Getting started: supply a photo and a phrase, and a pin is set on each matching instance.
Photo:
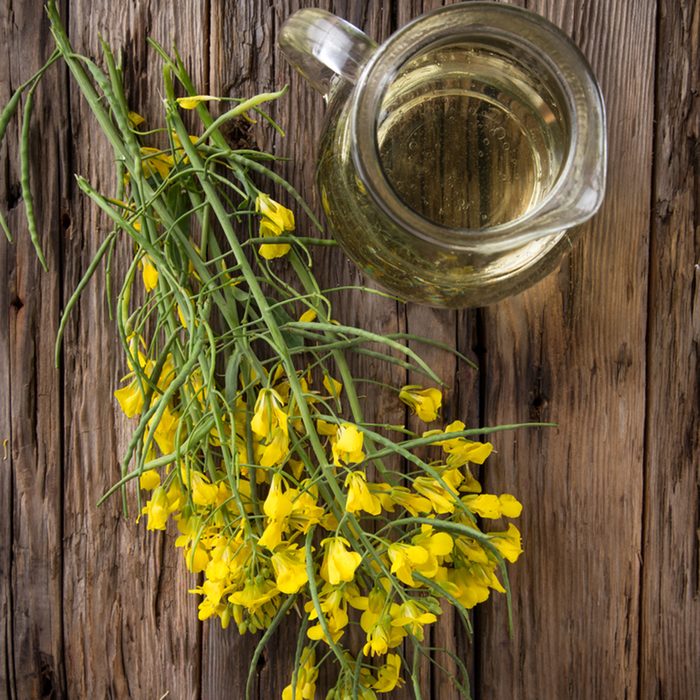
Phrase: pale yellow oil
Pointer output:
(469, 138)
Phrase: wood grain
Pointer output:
(670, 614)
(572, 350)
(606, 595)
(30, 417)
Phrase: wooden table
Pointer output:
(607, 595)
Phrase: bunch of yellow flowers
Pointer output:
(248, 430)
(268, 527)
(428, 551)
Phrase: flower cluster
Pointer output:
(257, 533)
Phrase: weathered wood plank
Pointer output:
(573, 350)
(131, 628)
(670, 615)
(31, 480)
(6, 612)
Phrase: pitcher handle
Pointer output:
(321, 46)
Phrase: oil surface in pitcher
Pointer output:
(470, 137)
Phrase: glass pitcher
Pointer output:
(457, 156)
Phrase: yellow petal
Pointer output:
(271, 251)
(149, 480)
(325, 428)
(308, 316)
(192, 101)
(359, 495)
(279, 215)
(135, 118)
(486, 505)
(157, 510)
(196, 560)
(155, 161)
(340, 564)
(510, 506)
(348, 445)
(332, 386)
(130, 399)
(388, 675)
(441, 544)
(150, 274)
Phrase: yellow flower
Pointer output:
(276, 450)
(269, 413)
(359, 495)
(469, 586)
(149, 273)
(287, 509)
(508, 543)
(277, 506)
(388, 676)
(289, 564)
(203, 492)
(165, 431)
(412, 502)
(196, 559)
(130, 398)
(423, 556)
(405, 559)
(425, 403)
(332, 386)
(459, 449)
(157, 509)
(308, 316)
(275, 221)
(271, 251)
(468, 451)
(270, 422)
(254, 594)
(376, 623)
(333, 604)
(347, 446)
(377, 642)
(212, 591)
(305, 686)
(413, 616)
(149, 480)
(305, 511)
(192, 101)
(491, 506)
(338, 563)
(441, 499)
(154, 161)
(280, 216)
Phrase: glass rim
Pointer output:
(431, 30)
